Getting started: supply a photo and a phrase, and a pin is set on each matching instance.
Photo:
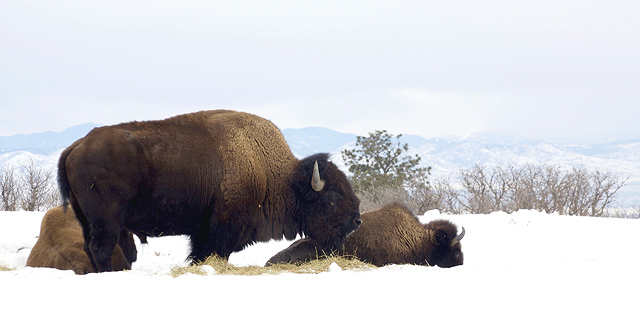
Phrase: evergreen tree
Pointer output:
(381, 160)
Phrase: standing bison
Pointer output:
(61, 245)
(390, 235)
(226, 179)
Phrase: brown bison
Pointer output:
(225, 178)
(391, 234)
(61, 245)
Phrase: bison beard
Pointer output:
(226, 179)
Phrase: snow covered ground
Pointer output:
(526, 272)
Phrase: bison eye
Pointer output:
(442, 238)
(333, 198)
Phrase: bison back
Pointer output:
(391, 234)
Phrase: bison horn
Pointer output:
(458, 238)
(316, 183)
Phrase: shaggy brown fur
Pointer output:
(303, 250)
(61, 245)
(225, 178)
(389, 235)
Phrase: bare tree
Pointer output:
(9, 189)
(525, 187)
(486, 188)
(53, 199)
(575, 188)
(420, 194)
(552, 192)
(445, 197)
(604, 186)
(38, 186)
(539, 187)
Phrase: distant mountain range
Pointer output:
(443, 155)
(44, 143)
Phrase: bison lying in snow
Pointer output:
(391, 234)
(224, 178)
(61, 245)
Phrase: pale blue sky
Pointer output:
(559, 70)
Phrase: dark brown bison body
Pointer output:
(224, 178)
(61, 245)
(390, 235)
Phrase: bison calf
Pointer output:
(61, 245)
(390, 235)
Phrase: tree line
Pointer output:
(383, 171)
(28, 187)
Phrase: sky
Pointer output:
(552, 70)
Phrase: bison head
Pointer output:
(328, 209)
(447, 251)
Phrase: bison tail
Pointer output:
(63, 182)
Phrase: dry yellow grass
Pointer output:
(223, 267)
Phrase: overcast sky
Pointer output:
(557, 70)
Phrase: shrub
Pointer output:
(485, 189)
(29, 187)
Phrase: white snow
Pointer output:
(526, 272)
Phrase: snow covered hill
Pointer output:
(443, 155)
